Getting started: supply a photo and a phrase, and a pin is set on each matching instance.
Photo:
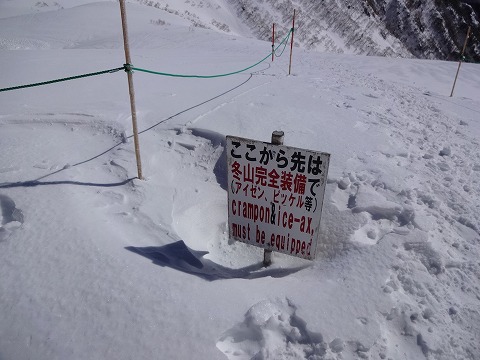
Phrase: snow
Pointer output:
(95, 264)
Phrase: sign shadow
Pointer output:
(180, 257)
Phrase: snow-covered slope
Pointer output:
(95, 264)
(433, 29)
(332, 26)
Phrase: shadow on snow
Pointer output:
(36, 182)
(180, 257)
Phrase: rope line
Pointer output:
(63, 79)
(284, 46)
(130, 68)
(212, 76)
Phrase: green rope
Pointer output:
(213, 76)
(284, 46)
(63, 79)
(129, 68)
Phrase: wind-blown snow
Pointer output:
(95, 264)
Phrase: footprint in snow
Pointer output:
(11, 218)
(273, 330)
(381, 216)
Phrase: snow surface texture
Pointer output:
(95, 264)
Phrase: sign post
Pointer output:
(277, 139)
(460, 61)
(275, 195)
(273, 41)
(291, 44)
(131, 90)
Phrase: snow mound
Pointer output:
(11, 218)
(271, 329)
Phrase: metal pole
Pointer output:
(291, 44)
(460, 62)
(277, 139)
(130, 87)
(273, 40)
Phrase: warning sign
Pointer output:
(275, 195)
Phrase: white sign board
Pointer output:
(275, 195)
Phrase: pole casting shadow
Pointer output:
(36, 182)
(180, 257)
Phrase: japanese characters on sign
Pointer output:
(275, 195)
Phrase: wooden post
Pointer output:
(130, 87)
(291, 44)
(273, 41)
(460, 62)
(277, 139)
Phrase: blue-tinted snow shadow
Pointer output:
(34, 183)
(216, 139)
(180, 257)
